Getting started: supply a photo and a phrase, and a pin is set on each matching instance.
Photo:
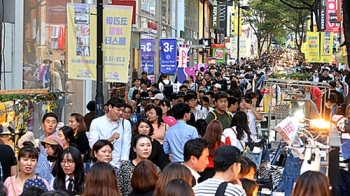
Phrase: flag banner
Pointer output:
(326, 47)
(313, 47)
(147, 52)
(331, 7)
(233, 52)
(82, 49)
(237, 22)
(243, 46)
(219, 54)
(168, 56)
(183, 55)
(116, 42)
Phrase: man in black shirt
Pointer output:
(325, 75)
(144, 79)
(8, 161)
(221, 81)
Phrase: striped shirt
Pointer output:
(209, 187)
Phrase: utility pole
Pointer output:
(99, 60)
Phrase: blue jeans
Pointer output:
(290, 173)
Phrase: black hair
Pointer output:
(183, 86)
(116, 102)
(205, 99)
(220, 95)
(185, 81)
(29, 152)
(217, 74)
(179, 110)
(195, 148)
(240, 120)
(50, 114)
(251, 95)
(232, 101)
(211, 93)
(333, 98)
(201, 126)
(91, 106)
(79, 174)
(97, 146)
(57, 149)
(166, 102)
(230, 92)
(138, 137)
(134, 93)
(189, 96)
(155, 85)
(135, 80)
(128, 106)
(69, 135)
(55, 193)
(32, 191)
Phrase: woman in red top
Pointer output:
(213, 135)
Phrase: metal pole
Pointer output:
(159, 34)
(238, 29)
(99, 60)
(203, 50)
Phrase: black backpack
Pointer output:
(168, 89)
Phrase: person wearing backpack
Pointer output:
(165, 85)
(220, 112)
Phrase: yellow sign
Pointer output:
(81, 41)
(238, 22)
(116, 44)
(326, 47)
(83, 44)
(313, 47)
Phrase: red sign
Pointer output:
(152, 25)
(127, 3)
(56, 11)
(331, 8)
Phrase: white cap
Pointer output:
(217, 85)
(158, 96)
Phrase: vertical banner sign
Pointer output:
(222, 18)
(215, 17)
(322, 20)
(243, 46)
(82, 43)
(233, 53)
(183, 55)
(313, 47)
(116, 46)
(219, 52)
(238, 22)
(331, 9)
(326, 47)
(168, 56)
(147, 52)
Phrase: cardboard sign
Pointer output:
(288, 129)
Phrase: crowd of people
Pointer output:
(158, 140)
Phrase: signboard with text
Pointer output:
(168, 56)
(147, 52)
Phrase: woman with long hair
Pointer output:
(142, 146)
(144, 179)
(170, 172)
(237, 135)
(101, 180)
(206, 85)
(158, 157)
(154, 115)
(77, 123)
(237, 92)
(166, 107)
(70, 176)
(102, 151)
(54, 147)
(66, 135)
(312, 183)
(27, 161)
(136, 96)
(213, 134)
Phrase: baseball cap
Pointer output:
(326, 68)
(52, 140)
(217, 85)
(228, 155)
(144, 95)
(158, 96)
(35, 182)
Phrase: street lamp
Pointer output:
(244, 7)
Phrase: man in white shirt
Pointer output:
(114, 128)
(196, 153)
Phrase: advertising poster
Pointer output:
(233, 53)
(313, 47)
(243, 46)
(326, 47)
(147, 52)
(219, 53)
(331, 8)
(116, 42)
(82, 49)
(168, 56)
(183, 55)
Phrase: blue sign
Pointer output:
(168, 56)
(147, 50)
